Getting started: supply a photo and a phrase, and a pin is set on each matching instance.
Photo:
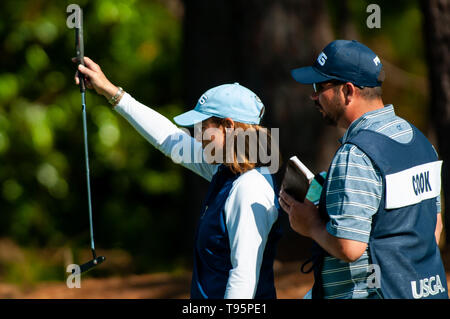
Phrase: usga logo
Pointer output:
(427, 286)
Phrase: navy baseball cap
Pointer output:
(343, 60)
(228, 100)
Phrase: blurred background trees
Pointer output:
(437, 42)
(166, 53)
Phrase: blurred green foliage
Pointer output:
(43, 198)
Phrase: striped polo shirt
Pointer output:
(354, 193)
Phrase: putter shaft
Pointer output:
(86, 155)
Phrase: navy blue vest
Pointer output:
(212, 261)
(402, 242)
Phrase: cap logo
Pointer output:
(202, 99)
(376, 60)
(322, 59)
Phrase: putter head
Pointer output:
(90, 264)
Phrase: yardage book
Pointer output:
(300, 182)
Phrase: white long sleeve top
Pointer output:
(248, 225)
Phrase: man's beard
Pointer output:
(332, 118)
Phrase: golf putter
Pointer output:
(79, 44)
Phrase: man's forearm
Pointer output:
(344, 249)
(305, 220)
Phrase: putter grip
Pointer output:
(79, 45)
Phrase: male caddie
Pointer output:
(378, 221)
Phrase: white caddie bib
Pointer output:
(413, 185)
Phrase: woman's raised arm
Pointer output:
(153, 126)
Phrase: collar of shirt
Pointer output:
(385, 114)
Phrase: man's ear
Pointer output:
(349, 91)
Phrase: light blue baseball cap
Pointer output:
(228, 100)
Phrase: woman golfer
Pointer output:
(238, 230)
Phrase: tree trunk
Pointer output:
(257, 43)
(437, 40)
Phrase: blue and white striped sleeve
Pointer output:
(353, 194)
(438, 199)
(438, 204)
